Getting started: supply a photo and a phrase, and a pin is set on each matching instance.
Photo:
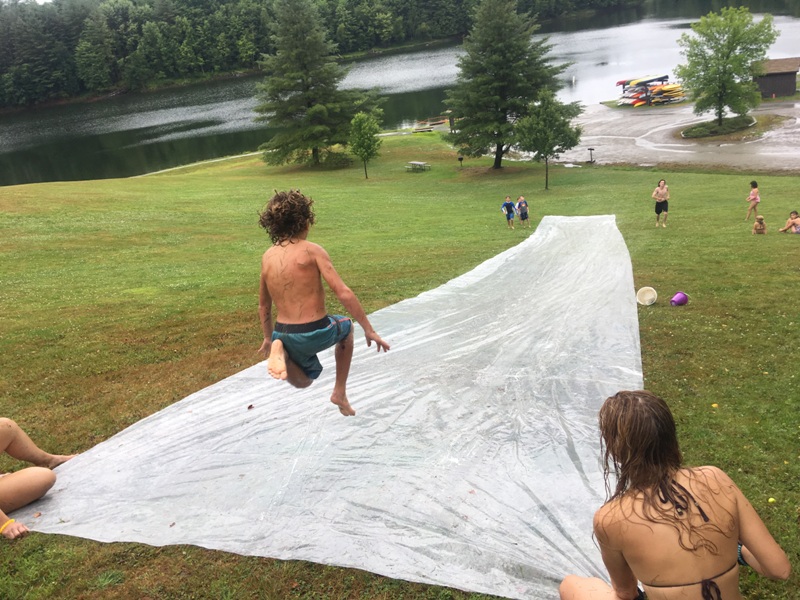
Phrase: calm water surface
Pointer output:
(139, 133)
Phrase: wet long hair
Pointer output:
(287, 215)
(641, 449)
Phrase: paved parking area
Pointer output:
(647, 137)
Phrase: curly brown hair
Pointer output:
(641, 448)
(287, 215)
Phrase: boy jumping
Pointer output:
(291, 276)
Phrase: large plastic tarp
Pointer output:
(473, 461)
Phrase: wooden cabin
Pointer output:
(779, 78)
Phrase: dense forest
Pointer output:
(66, 48)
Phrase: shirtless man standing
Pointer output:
(661, 196)
(292, 271)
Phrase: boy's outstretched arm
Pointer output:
(265, 314)
(348, 299)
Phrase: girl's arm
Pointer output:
(759, 548)
(623, 581)
(10, 528)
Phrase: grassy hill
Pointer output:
(120, 297)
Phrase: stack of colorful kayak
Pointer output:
(646, 91)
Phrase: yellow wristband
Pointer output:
(6, 524)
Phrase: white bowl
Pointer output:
(646, 296)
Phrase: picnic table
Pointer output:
(417, 166)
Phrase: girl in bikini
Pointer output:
(683, 532)
(753, 199)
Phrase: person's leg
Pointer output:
(585, 588)
(344, 356)
(664, 222)
(18, 445)
(749, 210)
(23, 487)
(280, 366)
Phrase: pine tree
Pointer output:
(502, 72)
(300, 96)
(94, 54)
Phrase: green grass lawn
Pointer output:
(120, 297)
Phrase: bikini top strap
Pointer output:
(709, 585)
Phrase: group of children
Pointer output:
(509, 209)
(661, 196)
(759, 226)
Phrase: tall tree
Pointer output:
(548, 130)
(723, 56)
(300, 95)
(503, 71)
(364, 140)
(94, 54)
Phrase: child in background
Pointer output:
(759, 226)
(753, 199)
(792, 223)
(508, 210)
(522, 209)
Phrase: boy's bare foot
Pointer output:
(276, 363)
(58, 459)
(340, 400)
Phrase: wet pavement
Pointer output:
(651, 137)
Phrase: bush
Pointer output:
(712, 128)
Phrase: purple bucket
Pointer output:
(679, 299)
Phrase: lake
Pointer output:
(133, 134)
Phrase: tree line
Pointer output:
(66, 48)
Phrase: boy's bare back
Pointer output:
(292, 275)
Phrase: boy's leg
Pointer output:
(664, 223)
(344, 356)
(280, 366)
(18, 445)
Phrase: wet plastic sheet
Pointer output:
(473, 461)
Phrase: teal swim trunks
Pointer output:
(303, 341)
